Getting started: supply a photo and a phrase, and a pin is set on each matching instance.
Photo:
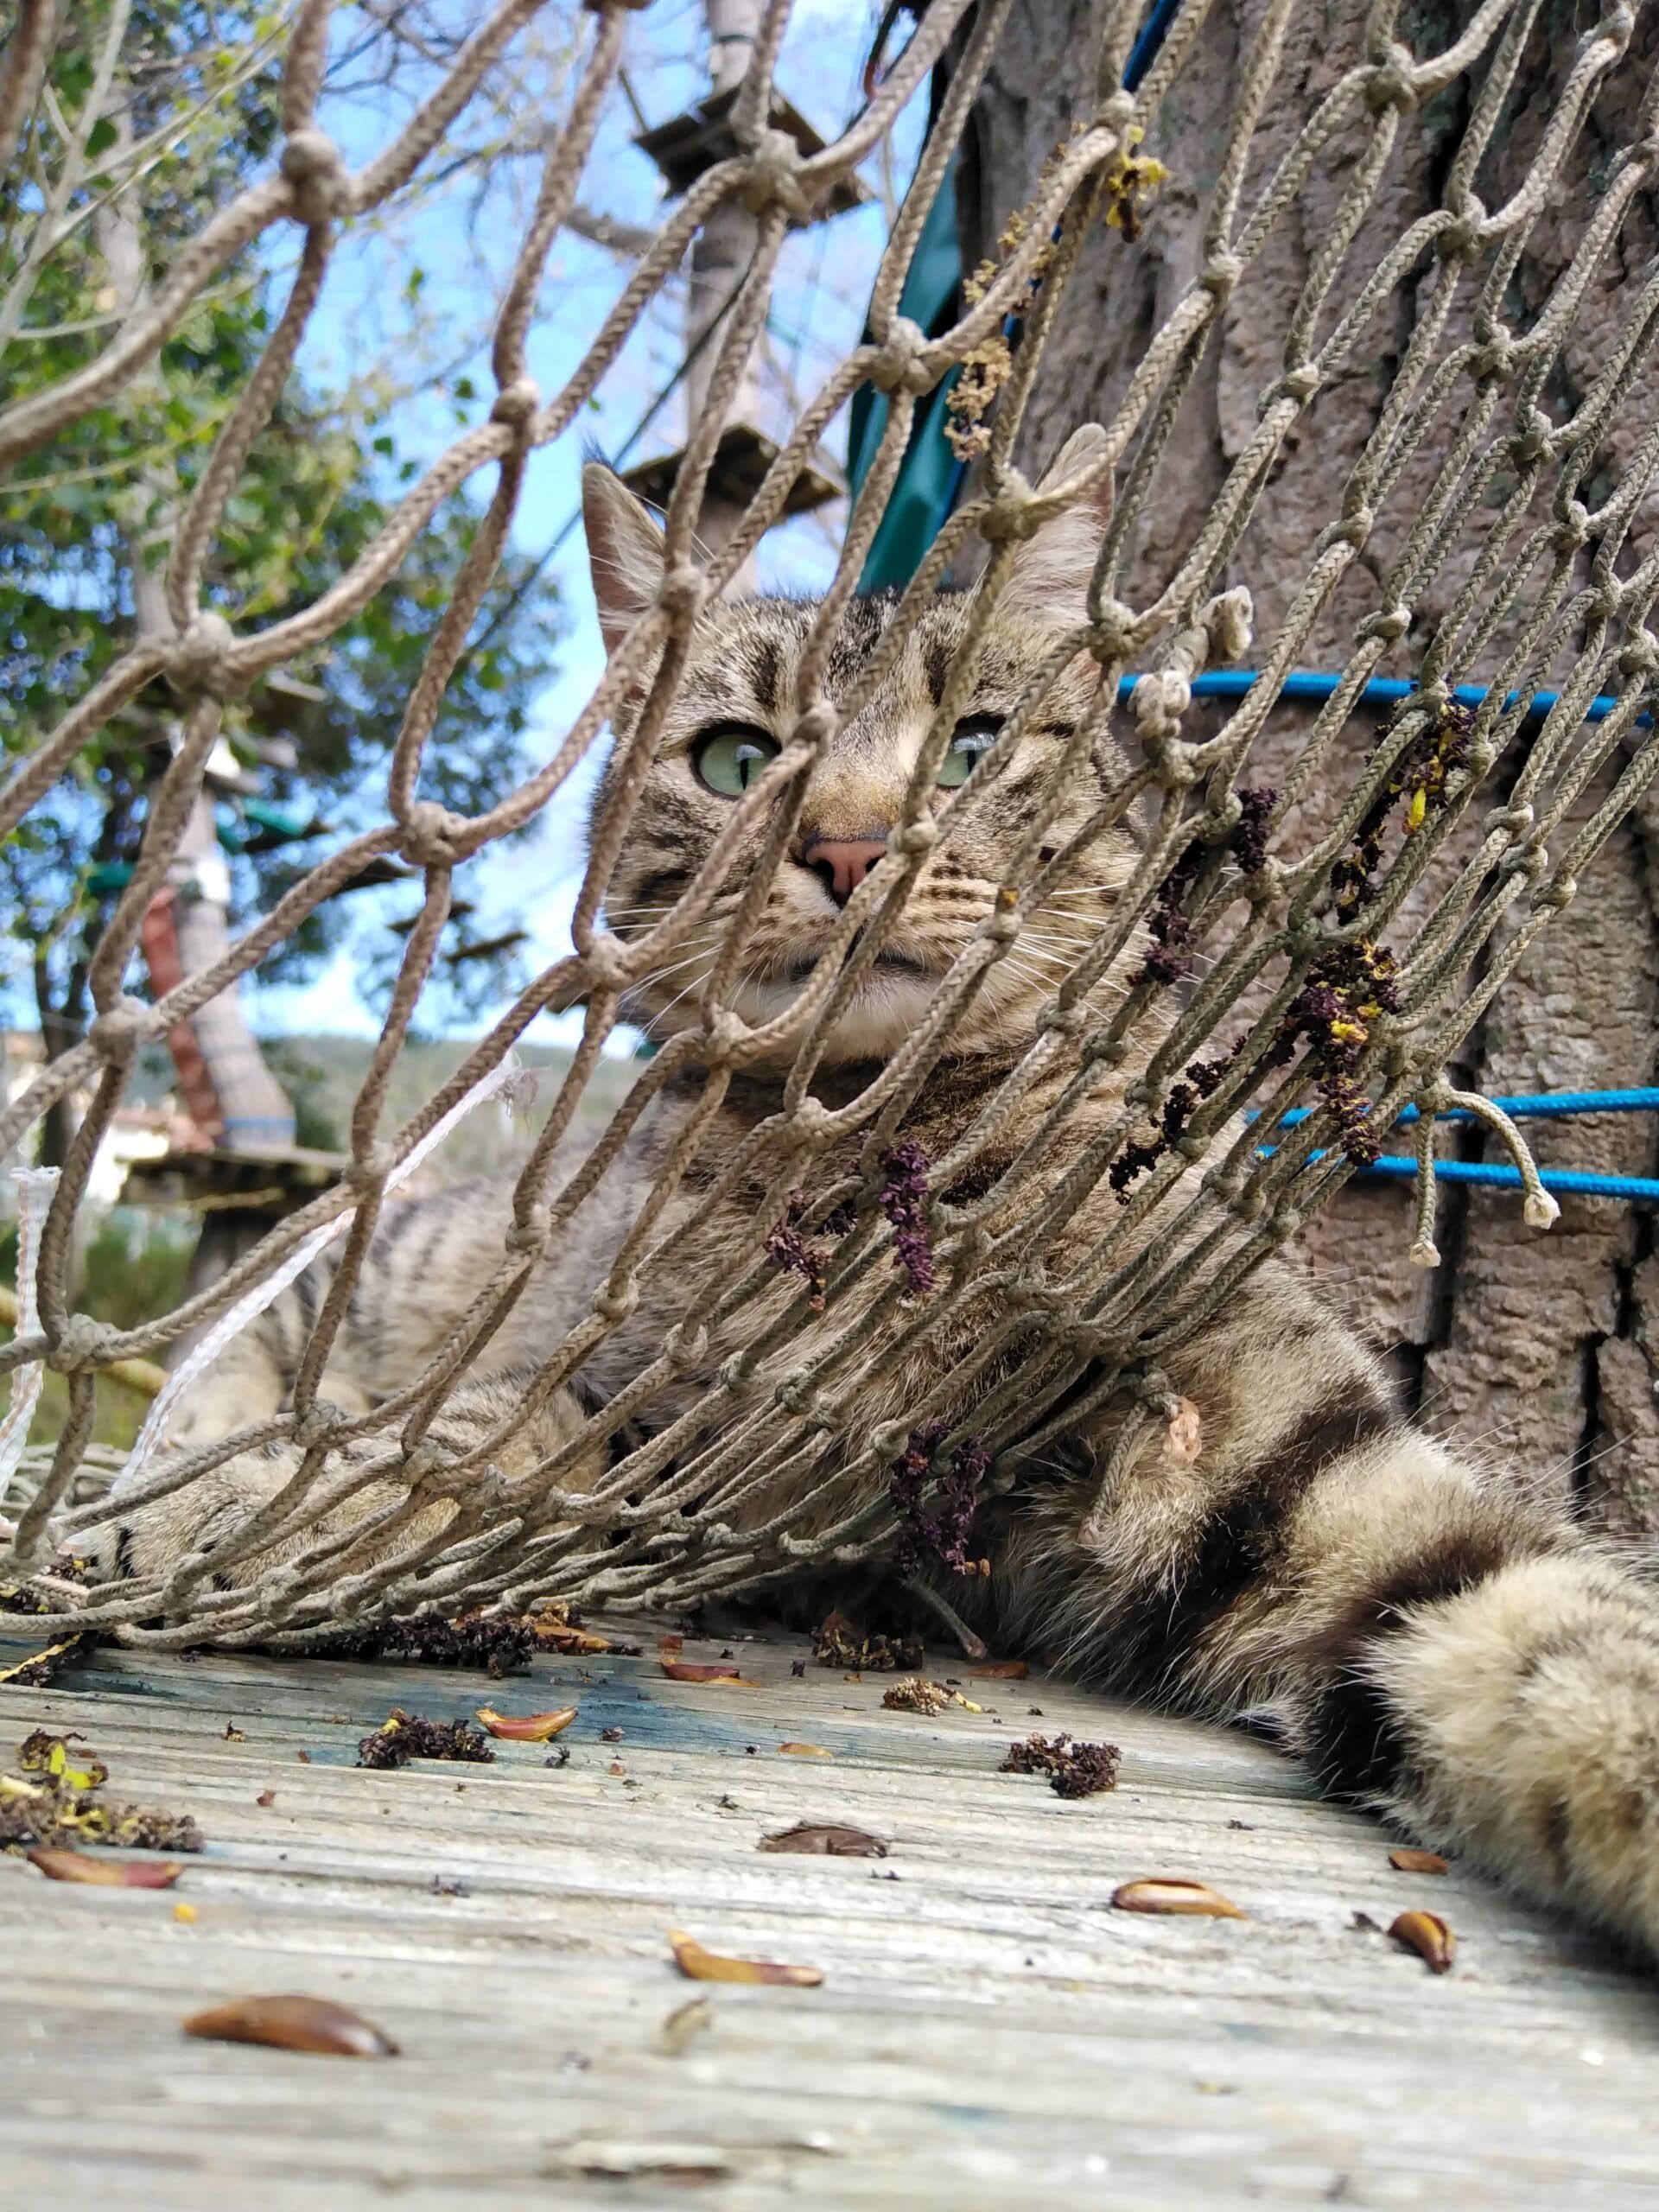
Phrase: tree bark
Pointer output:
(1539, 1349)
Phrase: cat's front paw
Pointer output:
(146, 1542)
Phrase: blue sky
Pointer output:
(463, 246)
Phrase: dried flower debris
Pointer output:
(52, 1803)
(815, 1840)
(405, 1736)
(1166, 1893)
(42, 1667)
(1073, 1769)
(838, 1644)
(936, 1506)
(289, 2022)
(916, 1694)
(1428, 1934)
(494, 1643)
(697, 1964)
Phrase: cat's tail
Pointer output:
(1469, 1664)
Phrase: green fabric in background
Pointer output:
(929, 299)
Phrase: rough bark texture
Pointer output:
(1542, 1349)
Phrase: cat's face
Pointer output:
(733, 713)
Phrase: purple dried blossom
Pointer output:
(904, 1201)
(787, 1248)
(939, 1534)
(1250, 837)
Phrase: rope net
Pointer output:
(1288, 902)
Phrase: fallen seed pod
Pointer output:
(806, 1750)
(828, 1841)
(526, 1727)
(1407, 1861)
(1428, 1934)
(1166, 1893)
(311, 2023)
(105, 1873)
(698, 1965)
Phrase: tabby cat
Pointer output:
(1435, 1646)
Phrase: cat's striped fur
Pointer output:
(1435, 1645)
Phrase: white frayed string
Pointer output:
(511, 1080)
(35, 1187)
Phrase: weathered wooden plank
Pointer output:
(987, 2029)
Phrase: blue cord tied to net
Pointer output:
(1561, 1182)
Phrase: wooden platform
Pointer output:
(988, 2033)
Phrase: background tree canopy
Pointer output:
(156, 115)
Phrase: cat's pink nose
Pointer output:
(843, 863)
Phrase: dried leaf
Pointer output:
(557, 1637)
(1428, 1934)
(812, 1840)
(105, 1873)
(293, 2024)
(712, 1670)
(1001, 1670)
(1409, 1861)
(699, 1964)
(695, 2017)
(806, 1750)
(1172, 1893)
(1183, 1437)
(527, 1727)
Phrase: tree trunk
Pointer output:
(1543, 1349)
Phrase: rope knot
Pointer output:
(1536, 442)
(681, 593)
(528, 1239)
(1114, 108)
(1157, 702)
(199, 662)
(1639, 656)
(117, 1031)
(1111, 630)
(798, 1394)
(1015, 513)
(1221, 273)
(1353, 529)
(316, 169)
(773, 177)
(905, 362)
(815, 725)
(615, 1306)
(1462, 238)
(606, 962)
(515, 403)
(919, 837)
(1493, 362)
(321, 1425)
(1300, 383)
(725, 1032)
(1392, 81)
(1572, 526)
(685, 1353)
(370, 1169)
(1388, 622)
(432, 836)
(85, 1345)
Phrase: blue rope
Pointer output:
(1563, 1181)
(1305, 683)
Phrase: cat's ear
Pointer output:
(1049, 582)
(625, 551)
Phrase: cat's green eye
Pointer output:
(729, 759)
(973, 738)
